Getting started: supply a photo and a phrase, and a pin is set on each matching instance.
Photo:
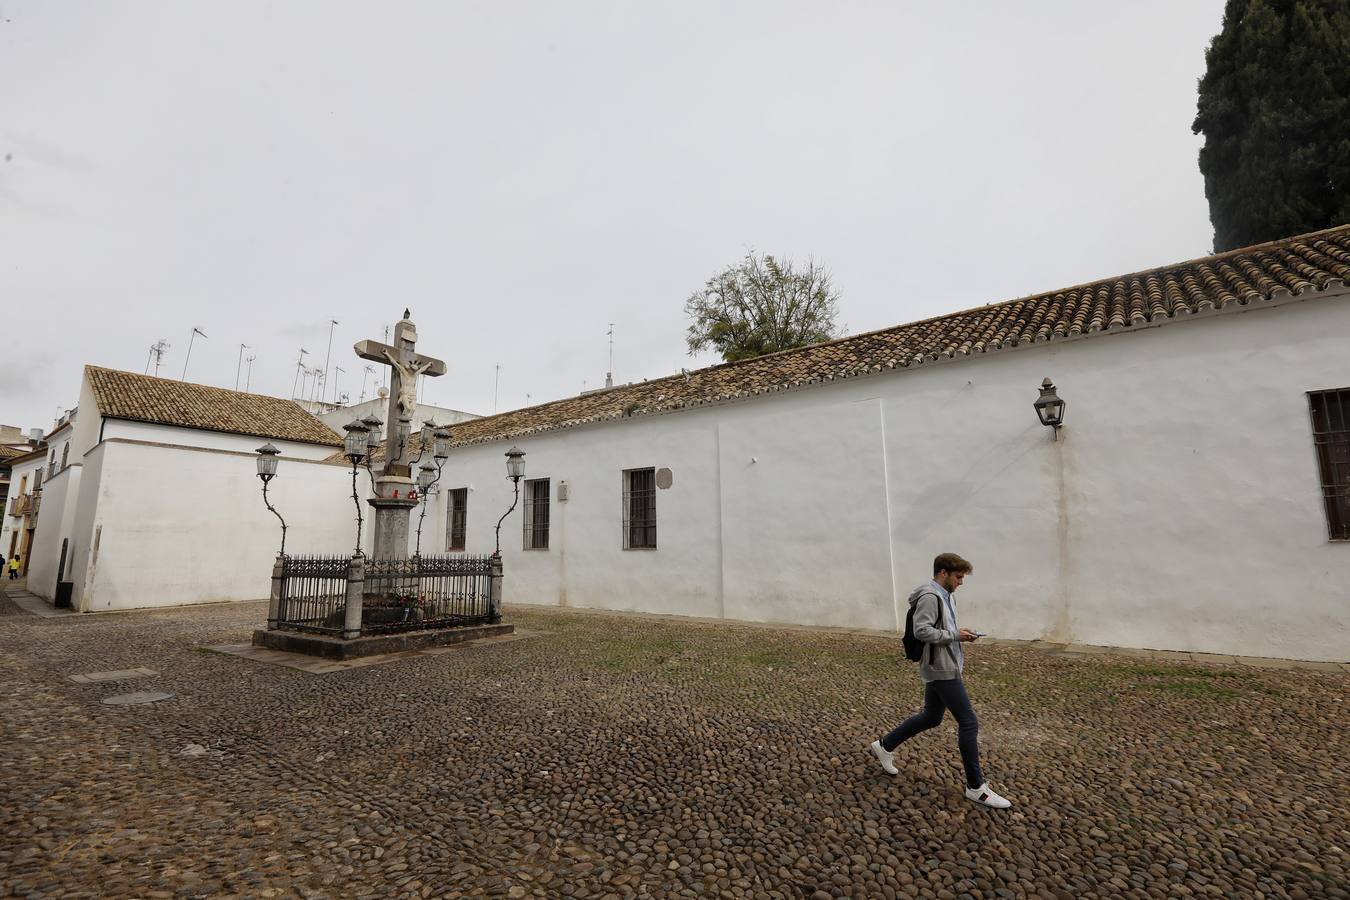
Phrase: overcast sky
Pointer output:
(523, 174)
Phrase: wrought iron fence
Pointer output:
(313, 593)
(419, 592)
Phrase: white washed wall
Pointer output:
(55, 523)
(215, 440)
(186, 525)
(1180, 508)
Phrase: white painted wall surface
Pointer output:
(55, 523)
(1180, 508)
(215, 440)
(183, 525)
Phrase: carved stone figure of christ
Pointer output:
(407, 382)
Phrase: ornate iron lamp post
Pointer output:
(267, 470)
(356, 447)
(1049, 408)
(428, 475)
(515, 470)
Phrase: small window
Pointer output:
(639, 509)
(536, 514)
(37, 480)
(459, 517)
(1331, 435)
(65, 455)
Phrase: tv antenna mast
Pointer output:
(187, 359)
(157, 354)
(609, 375)
(299, 367)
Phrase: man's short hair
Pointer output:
(950, 562)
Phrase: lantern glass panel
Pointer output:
(515, 463)
(375, 427)
(425, 476)
(267, 460)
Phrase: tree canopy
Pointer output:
(762, 305)
(1274, 108)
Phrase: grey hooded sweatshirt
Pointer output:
(943, 659)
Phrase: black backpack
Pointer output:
(914, 646)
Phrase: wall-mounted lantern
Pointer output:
(1049, 408)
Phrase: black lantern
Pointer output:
(267, 462)
(374, 426)
(515, 464)
(441, 439)
(356, 442)
(1049, 407)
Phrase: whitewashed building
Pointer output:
(1197, 496)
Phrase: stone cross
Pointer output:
(406, 364)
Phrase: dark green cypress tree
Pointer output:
(1275, 111)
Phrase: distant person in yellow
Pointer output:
(14, 567)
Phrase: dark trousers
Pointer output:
(939, 696)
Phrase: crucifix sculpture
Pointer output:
(394, 492)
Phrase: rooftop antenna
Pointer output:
(188, 358)
(367, 371)
(248, 379)
(329, 355)
(496, 381)
(157, 352)
(609, 376)
(299, 367)
(238, 363)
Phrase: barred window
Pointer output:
(639, 509)
(459, 517)
(1331, 435)
(65, 455)
(536, 514)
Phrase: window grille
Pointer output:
(536, 514)
(65, 455)
(459, 517)
(1331, 435)
(639, 509)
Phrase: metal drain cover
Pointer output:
(138, 697)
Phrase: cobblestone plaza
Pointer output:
(614, 756)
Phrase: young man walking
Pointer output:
(940, 667)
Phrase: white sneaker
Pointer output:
(886, 759)
(986, 796)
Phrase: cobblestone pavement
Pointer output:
(619, 756)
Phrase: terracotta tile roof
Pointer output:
(144, 398)
(1252, 275)
(10, 452)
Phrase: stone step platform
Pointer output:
(376, 644)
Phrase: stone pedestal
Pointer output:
(392, 507)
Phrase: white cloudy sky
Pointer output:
(522, 174)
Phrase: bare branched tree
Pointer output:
(762, 305)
